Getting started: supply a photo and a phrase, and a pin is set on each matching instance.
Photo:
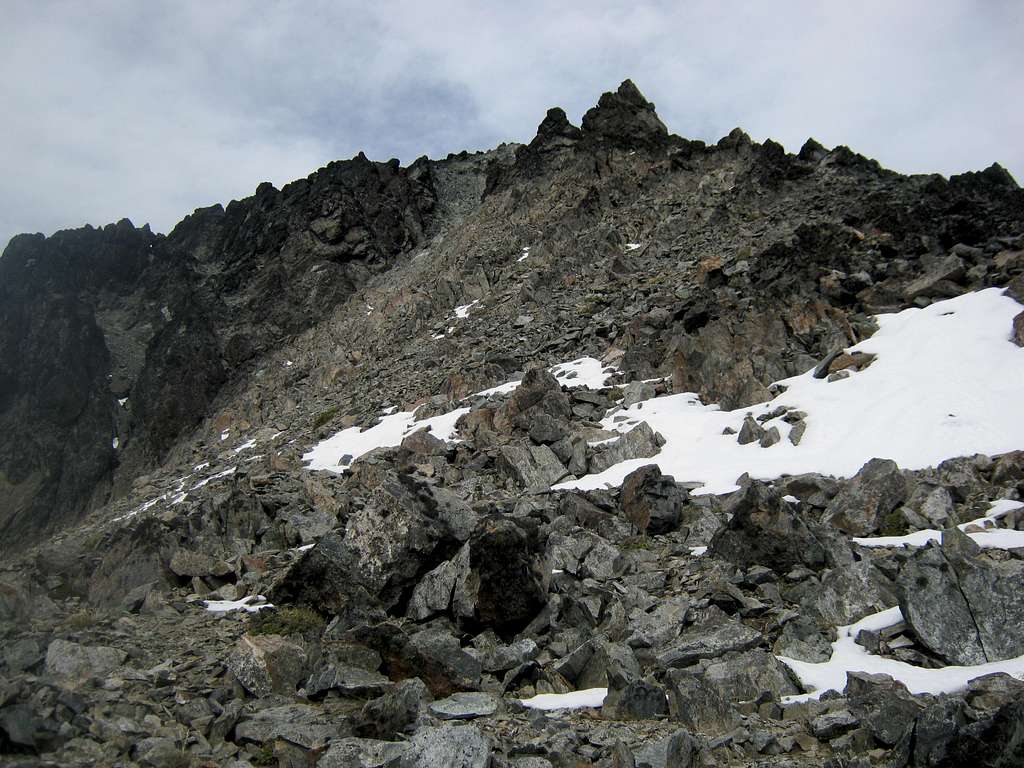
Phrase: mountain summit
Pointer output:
(614, 448)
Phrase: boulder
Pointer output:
(67, 659)
(452, 746)
(508, 575)
(362, 753)
(346, 680)
(698, 705)
(266, 664)
(641, 442)
(394, 713)
(766, 530)
(961, 604)
(861, 506)
(849, 593)
(882, 705)
(439, 659)
(301, 724)
(399, 533)
(464, 706)
(708, 641)
(748, 676)
(186, 563)
(651, 501)
(538, 395)
(532, 466)
(326, 579)
(637, 700)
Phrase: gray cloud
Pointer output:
(148, 110)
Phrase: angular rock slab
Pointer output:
(464, 706)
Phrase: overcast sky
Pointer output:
(152, 109)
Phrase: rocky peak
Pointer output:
(625, 118)
(555, 131)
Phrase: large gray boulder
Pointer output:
(961, 604)
(641, 442)
(766, 530)
(698, 705)
(266, 664)
(452, 746)
(531, 466)
(862, 505)
(652, 501)
(67, 659)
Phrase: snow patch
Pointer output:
(223, 606)
(945, 383)
(589, 697)
(463, 311)
(847, 656)
(388, 432)
(990, 537)
(581, 372)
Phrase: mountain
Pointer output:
(611, 419)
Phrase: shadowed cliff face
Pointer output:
(115, 343)
(93, 317)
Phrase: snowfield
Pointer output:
(946, 382)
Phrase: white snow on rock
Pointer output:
(589, 697)
(223, 606)
(245, 446)
(989, 537)
(463, 311)
(388, 432)
(115, 443)
(847, 656)
(224, 435)
(581, 372)
(946, 383)
(633, 246)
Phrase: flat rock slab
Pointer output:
(464, 706)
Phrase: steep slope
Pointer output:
(115, 341)
(429, 414)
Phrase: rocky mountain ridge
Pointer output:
(451, 571)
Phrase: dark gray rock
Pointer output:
(532, 466)
(849, 593)
(347, 681)
(438, 658)
(708, 641)
(882, 705)
(325, 578)
(766, 530)
(508, 577)
(752, 675)
(829, 725)
(393, 714)
(960, 604)
(860, 508)
(697, 705)
(652, 501)
(750, 432)
(307, 726)
(638, 700)
(266, 664)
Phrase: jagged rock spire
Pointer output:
(625, 118)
